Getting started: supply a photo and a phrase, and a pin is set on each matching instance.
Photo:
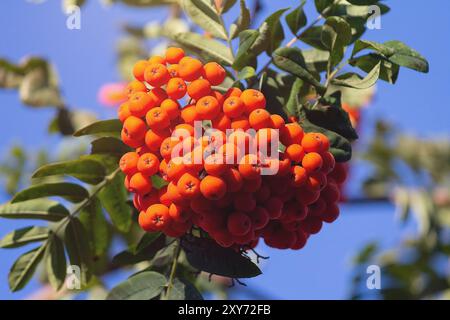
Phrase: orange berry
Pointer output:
(178, 213)
(276, 121)
(124, 112)
(173, 70)
(238, 223)
(154, 139)
(252, 185)
(249, 167)
(183, 130)
(158, 95)
(216, 94)
(315, 142)
(221, 122)
(259, 118)
(253, 99)
(189, 114)
(176, 88)
(140, 183)
(233, 107)
(157, 59)
(157, 118)
(312, 162)
(156, 74)
(213, 188)
(128, 163)
(291, 133)
(135, 127)
(233, 92)
(175, 168)
(259, 218)
(328, 162)
(140, 103)
(174, 55)
(189, 68)
(317, 181)
(215, 164)
(135, 86)
(166, 147)
(299, 176)
(133, 143)
(159, 217)
(240, 123)
(188, 186)
(207, 107)
(274, 207)
(148, 164)
(172, 107)
(214, 73)
(163, 169)
(233, 179)
(143, 201)
(244, 201)
(199, 88)
(139, 69)
(295, 152)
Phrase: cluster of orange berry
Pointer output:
(216, 173)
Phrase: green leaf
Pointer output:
(336, 35)
(113, 198)
(184, 290)
(86, 170)
(291, 60)
(55, 262)
(297, 19)
(103, 128)
(316, 59)
(97, 228)
(206, 255)
(242, 23)
(42, 209)
(246, 73)
(227, 5)
(109, 145)
(246, 40)
(312, 36)
(204, 14)
(147, 239)
(208, 49)
(292, 103)
(77, 246)
(24, 268)
(21, 237)
(407, 57)
(388, 71)
(321, 5)
(69, 191)
(275, 29)
(353, 80)
(142, 286)
(378, 47)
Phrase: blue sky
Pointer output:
(85, 59)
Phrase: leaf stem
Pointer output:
(173, 270)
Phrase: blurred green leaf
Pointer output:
(184, 290)
(21, 237)
(142, 286)
(42, 209)
(108, 128)
(297, 18)
(55, 262)
(109, 145)
(204, 14)
(354, 80)
(69, 191)
(242, 23)
(275, 30)
(336, 35)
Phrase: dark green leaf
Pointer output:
(21, 237)
(42, 209)
(246, 39)
(77, 246)
(69, 191)
(97, 228)
(142, 286)
(292, 103)
(353, 80)
(24, 268)
(407, 57)
(104, 128)
(227, 5)
(208, 49)
(388, 70)
(146, 253)
(275, 29)
(184, 290)
(378, 47)
(206, 255)
(297, 18)
(204, 14)
(312, 36)
(109, 145)
(336, 35)
(147, 239)
(321, 5)
(242, 23)
(86, 170)
(113, 198)
(291, 60)
(316, 59)
(55, 262)
(246, 73)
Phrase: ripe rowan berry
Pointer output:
(233, 179)
(215, 164)
(156, 74)
(139, 69)
(295, 152)
(259, 118)
(221, 122)
(291, 133)
(189, 186)
(124, 111)
(249, 167)
(198, 88)
(238, 223)
(233, 107)
(213, 188)
(176, 88)
(207, 108)
(240, 123)
(135, 86)
(174, 55)
(328, 162)
(157, 118)
(178, 213)
(315, 142)
(312, 162)
(157, 60)
(274, 207)
(299, 176)
(190, 69)
(128, 163)
(244, 201)
(259, 218)
(139, 104)
(171, 107)
(276, 121)
(159, 217)
(135, 128)
(148, 164)
(253, 99)
(173, 70)
(214, 73)
(139, 183)
(189, 114)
